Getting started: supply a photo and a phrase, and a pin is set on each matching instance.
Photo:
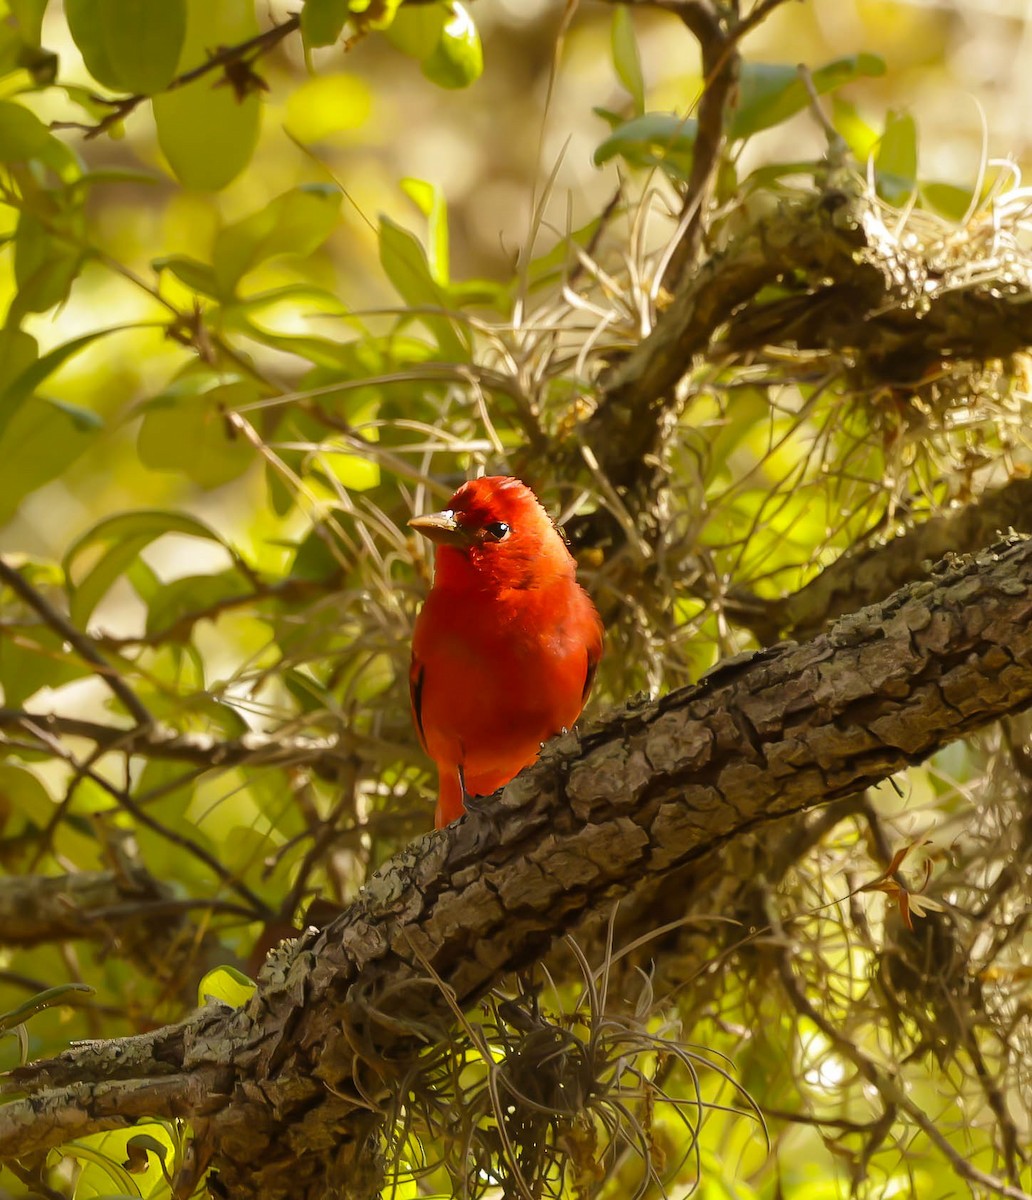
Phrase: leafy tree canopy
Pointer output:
(274, 278)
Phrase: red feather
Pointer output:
(505, 648)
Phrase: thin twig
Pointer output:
(79, 641)
(242, 54)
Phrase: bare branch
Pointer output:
(79, 641)
(307, 1064)
(236, 63)
(200, 749)
(868, 574)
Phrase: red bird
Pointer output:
(505, 648)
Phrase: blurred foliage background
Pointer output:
(253, 325)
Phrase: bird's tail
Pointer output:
(449, 797)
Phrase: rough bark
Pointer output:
(867, 575)
(285, 1094)
(44, 908)
(844, 284)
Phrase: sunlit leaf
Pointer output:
(655, 139)
(949, 199)
(298, 222)
(189, 432)
(626, 57)
(28, 16)
(458, 58)
(44, 267)
(374, 14)
(25, 383)
(143, 41)
(119, 541)
(227, 984)
(322, 21)
(20, 790)
(431, 203)
(196, 275)
(182, 599)
(89, 32)
(416, 29)
(896, 158)
(91, 1180)
(406, 264)
(205, 130)
(22, 134)
(770, 93)
(18, 352)
(63, 993)
(39, 442)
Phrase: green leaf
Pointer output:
(20, 789)
(122, 538)
(82, 418)
(374, 14)
(39, 442)
(315, 558)
(18, 352)
(430, 201)
(196, 275)
(458, 58)
(207, 134)
(63, 993)
(859, 136)
(227, 984)
(88, 30)
(770, 93)
(99, 1165)
(416, 29)
(187, 431)
(626, 57)
(143, 40)
(405, 262)
(951, 201)
(28, 15)
(184, 597)
(22, 134)
(298, 222)
(26, 382)
(322, 21)
(45, 266)
(31, 659)
(896, 160)
(655, 139)
(356, 472)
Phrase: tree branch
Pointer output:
(868, 574)
(847, 286)
(296, 1083)
(80, 642)
(234, 61)
(199, 749)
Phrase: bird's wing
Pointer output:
(593, 655)
(417, 673)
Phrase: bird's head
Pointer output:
(495, 532)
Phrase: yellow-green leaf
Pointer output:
(205, 130)
(144, 40)
(458, 59)
(322, 21)
(227, 984)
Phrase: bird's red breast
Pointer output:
(506, 645)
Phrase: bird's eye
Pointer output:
(497, 531)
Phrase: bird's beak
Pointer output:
(441, 528)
